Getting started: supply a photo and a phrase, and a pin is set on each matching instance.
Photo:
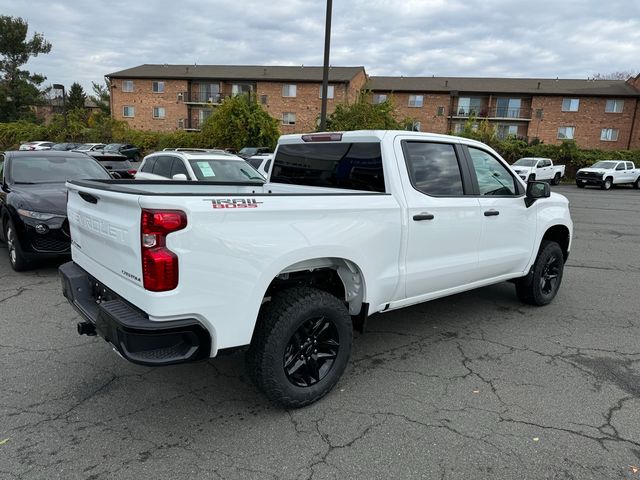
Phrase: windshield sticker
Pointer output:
(235, 203)
(206, 169)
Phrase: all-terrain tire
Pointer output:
(540, 286)
(281, 320)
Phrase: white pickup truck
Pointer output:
(348, 225)
(540, 169)
(607, 173)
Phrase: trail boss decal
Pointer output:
(235, 203)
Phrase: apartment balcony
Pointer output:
(202, 98)
(189, 126)
(495, 113)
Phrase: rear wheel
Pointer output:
(301, 346)
(16, 255)
(636, 184)
(607, 183)
(540, 286)
(556, 179)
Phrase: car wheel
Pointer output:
(636, 184)
(607, 184)
(531, 178)
(556, 179)
(16, 255)
(540, 286)
(579, 184)
(300, 347)
(137, 157)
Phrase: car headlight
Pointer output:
(38, 215)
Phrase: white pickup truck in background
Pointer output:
(349, 224)
(539, 169)
(607, 173)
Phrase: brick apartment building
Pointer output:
(173, 97)
(596, 113)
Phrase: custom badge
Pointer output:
(235, 203)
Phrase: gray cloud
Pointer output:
(569, 39)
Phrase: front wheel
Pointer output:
(607, 183)
(579, 184)
(540, 286)
(301, 346)
(556, 179)
(16, 255)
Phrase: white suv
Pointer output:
(198, 166)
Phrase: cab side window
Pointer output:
(629, 166)
(433, 168)
(148, 165)
(493, 177)
(163, 166)
(620, 166)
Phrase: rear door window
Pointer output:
(352, 166)
(148, 165)
(178, 167)
(163, 166)
(434, 168)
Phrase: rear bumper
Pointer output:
(129, 329)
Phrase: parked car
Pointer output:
(33, 203)
(261, 163)
(532, 168)
(117, 165)
(349, 225)
(89, 147)
(201, 150)
(607, 173)
(247, 152)
(65, 146)
(202, 166)
(39, 145)
(130, 151)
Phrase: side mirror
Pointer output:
(536, 190)
(179, 176)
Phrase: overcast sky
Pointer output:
(510, 38)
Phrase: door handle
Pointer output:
(491, 213)
(423, 216)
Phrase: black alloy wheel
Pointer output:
(549, 276)
(311, 352)
(541, 285)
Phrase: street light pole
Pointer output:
(59, 86)
(325, 69)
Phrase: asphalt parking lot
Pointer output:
(473, 386)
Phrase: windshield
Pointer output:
(224, 171)
(249, 150)
(39, 169)
(604, 164)
(526, 162)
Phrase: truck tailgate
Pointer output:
(105, 227)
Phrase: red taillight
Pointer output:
(159, 264)
(132, 171)
(322, 137)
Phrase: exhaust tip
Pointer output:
(86, 328)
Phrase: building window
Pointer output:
(289, 118)
(263, 99)
(566, 133)
(379, 98)
(289, 90)
(241, 89)
(614, 106)
(416, 100)
(158, 87)
(609, 134)
(158, 112)
(127, 85)
(128, 111)
(329, 91)
(505, 131)
(440, 112)
(570, 104)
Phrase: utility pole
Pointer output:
(325, 70)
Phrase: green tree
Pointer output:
(19, 89)
(365, 115)
(76, 96)
(101, 96)
(239, 122)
